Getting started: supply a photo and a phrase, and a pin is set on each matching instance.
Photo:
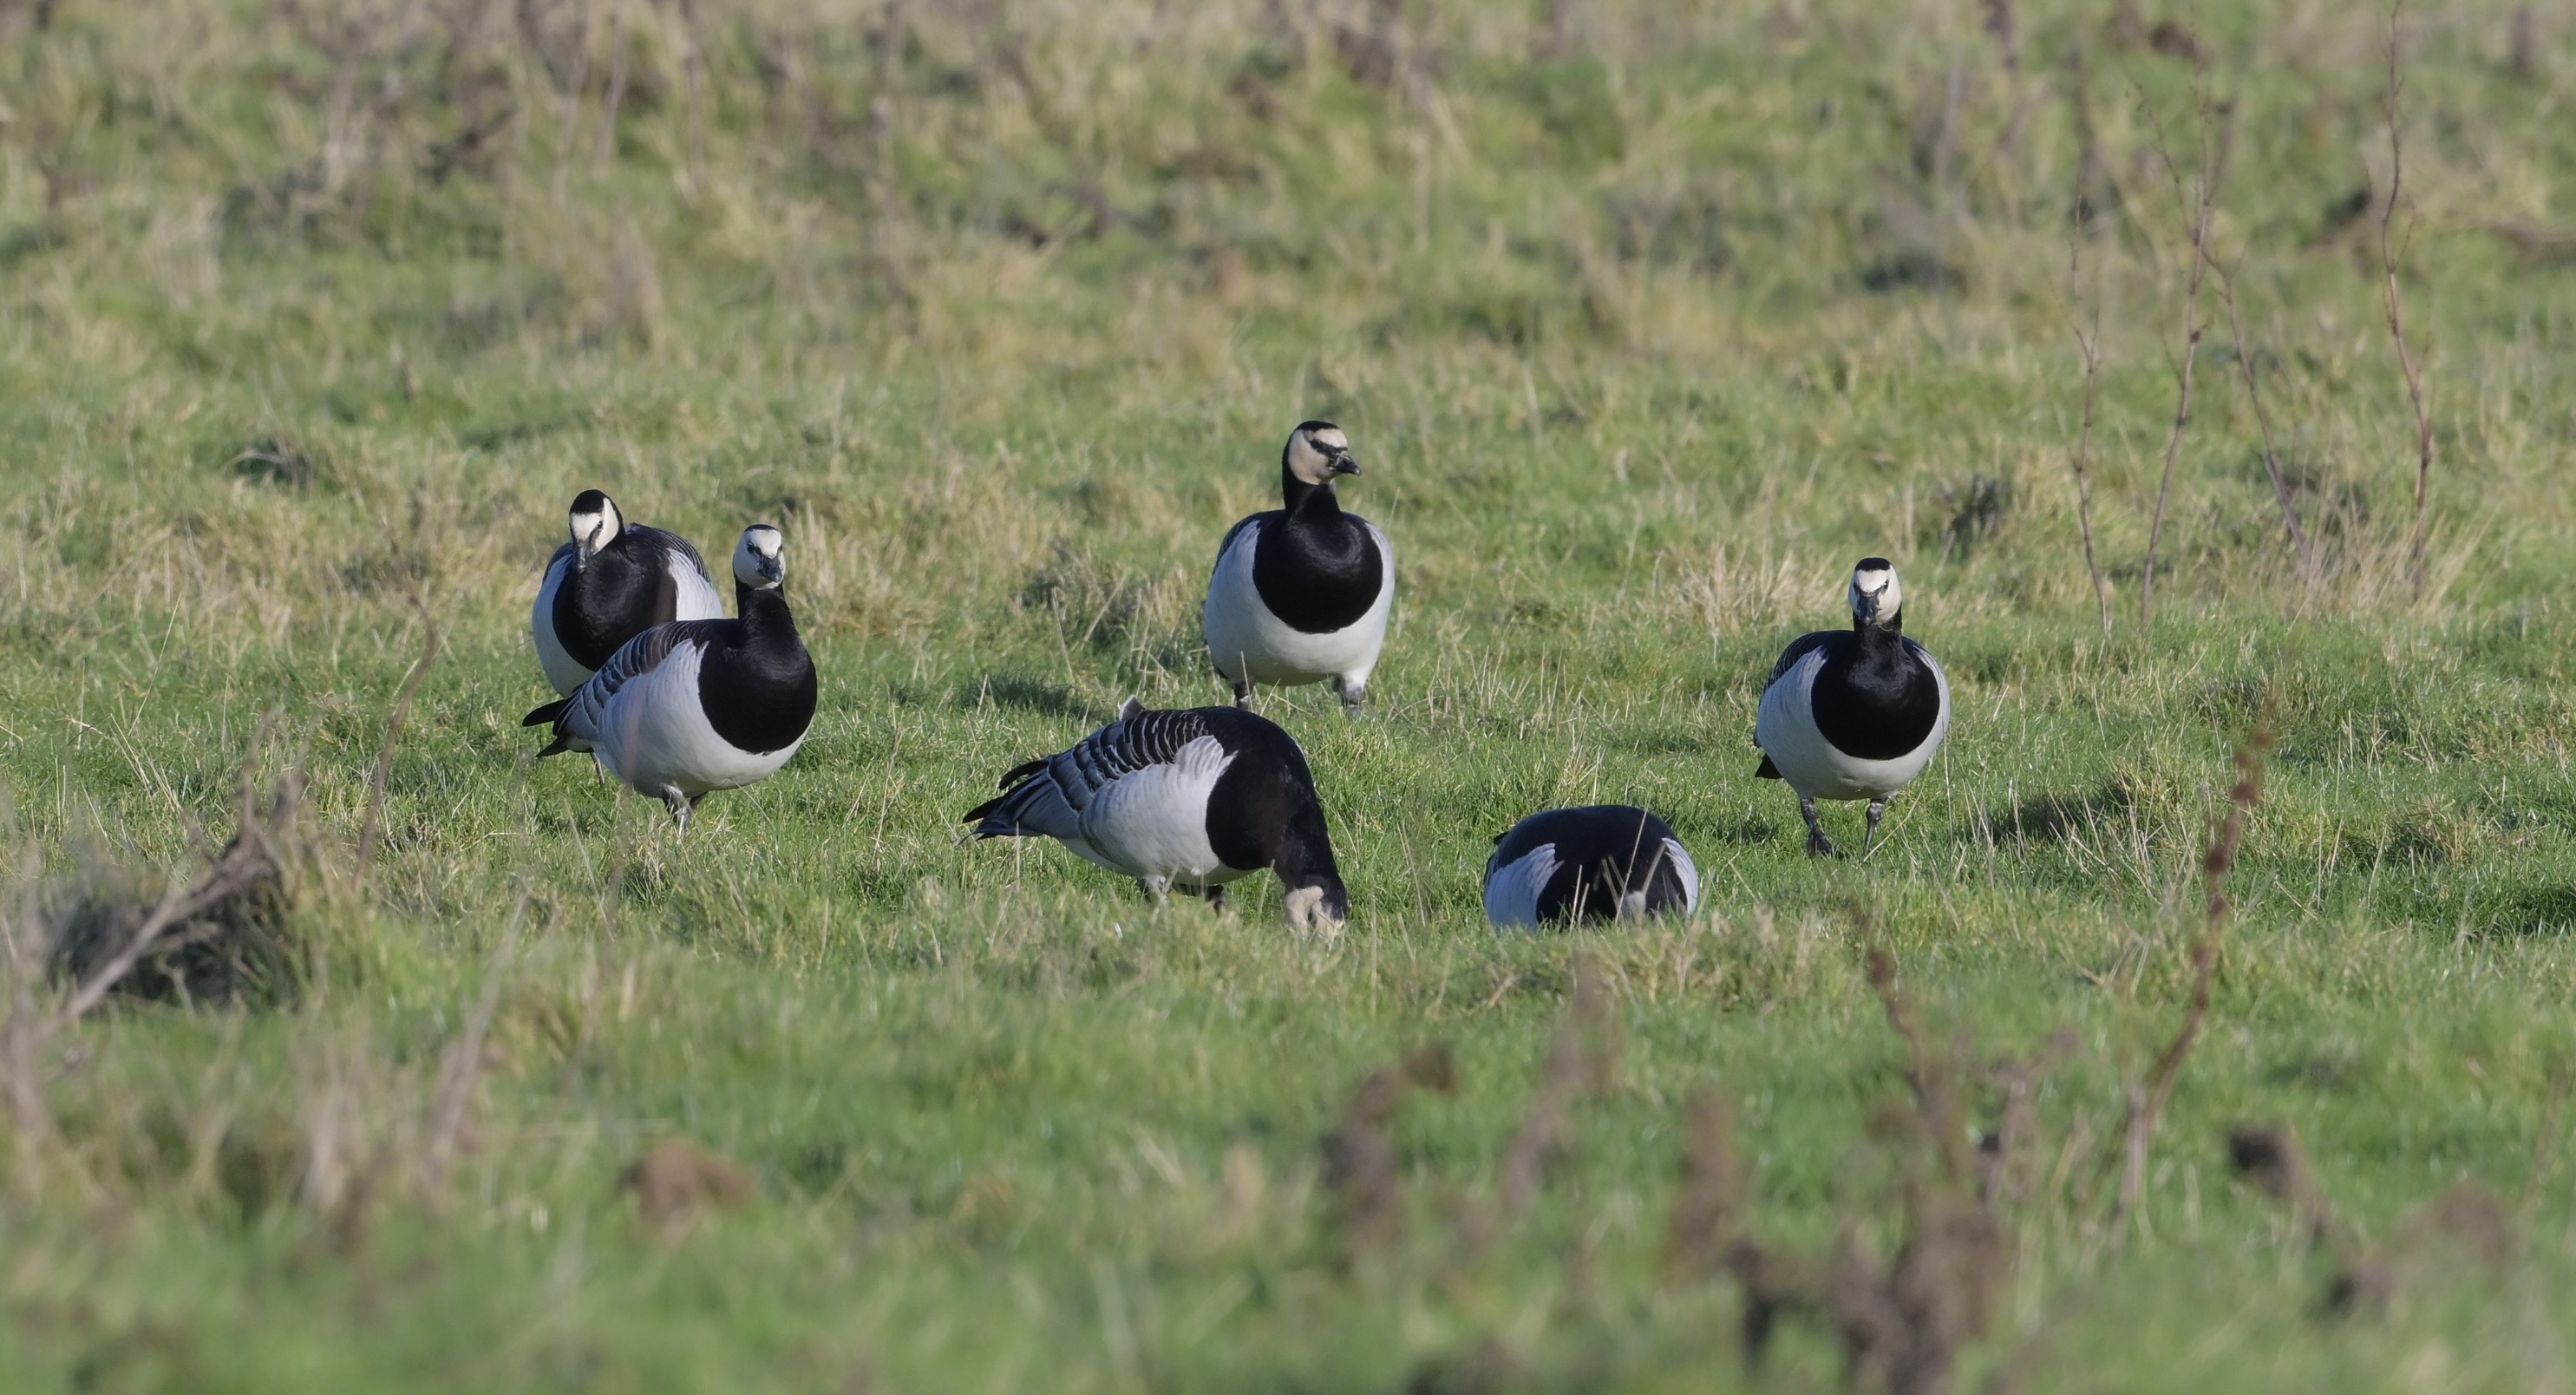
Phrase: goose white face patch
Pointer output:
(760, 559)
(593, 529)
(1310, 453)
(1879, 582)
(1306, 912)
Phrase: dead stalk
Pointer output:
(2199, 209)
(2147, 1100)
(2088, 343)
(461, 1069)
(2389, 257)
(2263, 421)
(376, 784)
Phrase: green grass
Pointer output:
(1003, 320)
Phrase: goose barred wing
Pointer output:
(1136, 740)
(1047, 795)
(580, 715)
(1798, 649)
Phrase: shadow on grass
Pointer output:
(2054, 818)
(1025, 694)
(2547, 909)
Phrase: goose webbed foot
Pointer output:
(1818, 845)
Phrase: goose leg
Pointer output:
(1215, 894)
(1353, 694)
(1156, 889)
(1870, 839)
(1242, 693)
(1818, 845)
(681, 805)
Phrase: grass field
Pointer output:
(1648, 318)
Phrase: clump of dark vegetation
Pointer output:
(678, 1180)
(226, 937)
(2462, 1230)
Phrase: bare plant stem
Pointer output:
(572, 100)
(2263, 420)
(2147, 1099)
(2199, 209)
(2088, 342)
(2389, 257)
(374, 821)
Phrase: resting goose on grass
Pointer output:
(1301, 592)
(699, 705)
(1599, 862)
(612, 582)
(1853, 714)
(1191, 798)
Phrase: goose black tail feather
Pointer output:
(998, 817)
(1768, 770)
(551, 712)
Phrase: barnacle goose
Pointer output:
(1598, 862)
(699, 705)
(1853, 714)
(612, 582)
(1301, 593)
(1193, 798)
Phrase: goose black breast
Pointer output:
(1874, 700)
(758, 699)
(619, 594)
(1316, 575)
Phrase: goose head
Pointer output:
(1321, 906)
(1316, 452)
(595, 523)
(1876, 600)
(760, 559)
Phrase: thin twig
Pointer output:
(2389, 256)
(2197, 214)
(2147, 1101)
(2089, 344)
(2263, 420)
(462, 1067)
(377, 783)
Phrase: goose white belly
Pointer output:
(655, 735)
(562, 670)
(1786, 731)
(1152, 823)
(1247, 642)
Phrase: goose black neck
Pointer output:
(1305, 855)
(766, 620)
(1307, 502)
(1880, 634)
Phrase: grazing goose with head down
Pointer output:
(612, 582)
(1301, 593)
(1599, 862)
(1193, 798)
(699, 705)
(1853, 714)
